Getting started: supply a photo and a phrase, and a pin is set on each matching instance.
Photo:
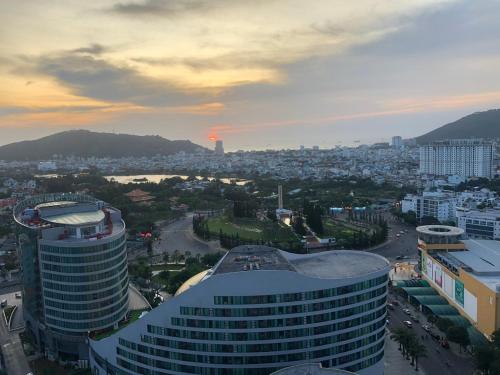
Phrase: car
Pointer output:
(395, 303)
(406, 311)
(435, 336)
(414, 318)
(426, 327)
(399, 257)
(3, 303)
(408, 324)
(18, 295)
(390, 306)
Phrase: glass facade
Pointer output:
(70, 285)
(340, 327)
(99, 275)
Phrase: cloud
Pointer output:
(92, 49)
(157, 8)
(97, 78)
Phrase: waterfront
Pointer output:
(154, 178)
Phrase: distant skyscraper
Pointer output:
(397, 141)
(219, 147)
(73, 256)
(461, 157)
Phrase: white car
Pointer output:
(408, 324)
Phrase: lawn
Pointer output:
(251, 229)
(341, 229)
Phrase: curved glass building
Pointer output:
(74, 264)
(259, 310)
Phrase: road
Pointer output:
(179, 236)
(405, 245)
(437, 357)
(12, 350)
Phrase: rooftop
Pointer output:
(253, 257)
(76, 218)
(440, 230)
(334, 264)
(337, 264)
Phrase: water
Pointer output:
(155, 178)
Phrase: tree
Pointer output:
(495, 338)
(401, 335)
(443, 324)
(417, 350)
(459, 335)
(176, 256)
(298, 226)
(166, 257)
(483, 357)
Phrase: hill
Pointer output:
(477, 125)
(84, 143)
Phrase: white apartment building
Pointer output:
(397, 141)
(479, 224)
(467, 158)
(440, 205)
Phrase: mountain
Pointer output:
(84, 143)
(477, 125)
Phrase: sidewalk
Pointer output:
(394, 362)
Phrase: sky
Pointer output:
(258, 74)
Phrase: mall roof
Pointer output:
(334, 264)
(483, 256)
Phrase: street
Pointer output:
(13, 354)
(179, 236)
(437, 357)
(404, 245)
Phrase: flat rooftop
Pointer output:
(76, 218)
(481, 260)
(337, 264)
(334, 264)
(248, 258)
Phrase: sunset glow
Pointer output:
(177, 68)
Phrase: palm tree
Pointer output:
(417, 350)
(175, 256)
(400, 336)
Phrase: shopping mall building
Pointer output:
(464, 272)
(257, 311)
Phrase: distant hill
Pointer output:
(477, 125)
(84, 143)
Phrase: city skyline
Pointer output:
(271, 74)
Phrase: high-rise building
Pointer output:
(219, 147)
(73, 256)
(466, 158)
(397, 142)
(259, 310)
